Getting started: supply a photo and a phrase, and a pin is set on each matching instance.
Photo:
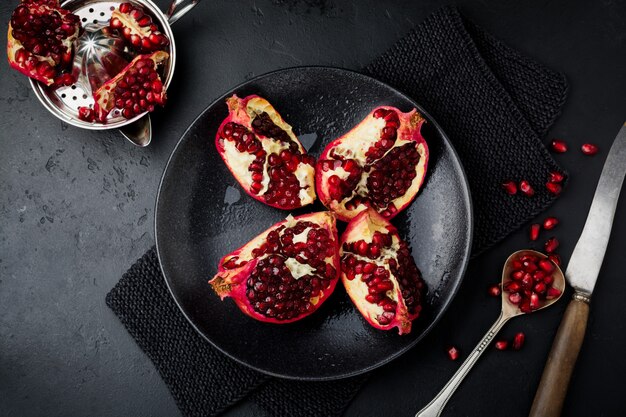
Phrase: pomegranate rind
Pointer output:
(363, 227)
(104, 96)
(356, 142)
(13, 45)
(242, 111)
(232, 282)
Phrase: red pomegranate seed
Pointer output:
(515, 298)
(501, 344)
(552, 293)
(546, 265)
(453, 353)
(534, 231)
(534, 301)
(551, 245)
(555, 258)
(526, 188)
(494, 290)
(556, 177)
(554, 188)
(558, 146)
(550, 223)
(589, 149)
(510, 187)
(518, 341)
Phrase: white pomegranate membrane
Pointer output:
(531, 283)
(379, 164)
(380, 274)
(286, 272)
(264, 155)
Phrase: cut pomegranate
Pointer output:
(263, 154)
(510, 187)
(559, 146)
(135, 90)
(551, 245)
(530, 282)
(518, 341)
(526, 188)
(589, 149)
(554, 188)
(137, 28)
(534, 231)
(556, 177)
(380, 164)
(495, 290)
(453, 353)
(501, 344)
(286, 272)
(550, 223)
(379, 273)
(40, 39)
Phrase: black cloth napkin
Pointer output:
(494, 103)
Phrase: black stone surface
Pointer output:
(77, 209)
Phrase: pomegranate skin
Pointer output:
(368, 226)
(232, 281)
(243, 112)
(355, 145)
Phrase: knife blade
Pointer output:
(582, 274)
(586, 261)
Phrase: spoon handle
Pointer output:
(435, 407)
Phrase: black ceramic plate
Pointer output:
(203, 214)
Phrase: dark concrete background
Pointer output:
(77, 210)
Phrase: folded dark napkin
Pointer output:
(492, 102)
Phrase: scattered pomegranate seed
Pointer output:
(510, 187)
(501, 344)
(550, 223)
(551, 245)
(495, 290)
(589, 149)
(518, 341)
(453, 353)
(534, 231)
(556, 177)
(559, 146)
(526, 188)
(554, 188)
(555, 258)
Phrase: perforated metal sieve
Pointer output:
(99, 55)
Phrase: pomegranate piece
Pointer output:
(263, 154)
(555, 258)
(379, 164)
(526, 188)
(551, 245)
(285, 273)
(558, 146)
(554, 188)
(379, 273)
(135, 90)
(40, 39)
(518, 341)
(589, 149)
(550, 223)
(137, 27)
(531, 282)
(495, 290)
(501, 344)
(510, 187)
(87, 114)
(453, 353)
(534, 231)
(556, 177)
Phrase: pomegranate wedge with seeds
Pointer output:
(380, 163)
(263, 154)
(138, 28)
(286, 272)
(379, 273)
(135, 90)
(40, 39)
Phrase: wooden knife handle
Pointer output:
(558, 371)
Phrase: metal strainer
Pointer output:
(99, 57)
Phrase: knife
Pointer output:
(582, 274)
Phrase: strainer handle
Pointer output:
(178, 8)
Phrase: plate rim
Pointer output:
(467, 249)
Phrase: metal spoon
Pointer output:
(509, 310)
